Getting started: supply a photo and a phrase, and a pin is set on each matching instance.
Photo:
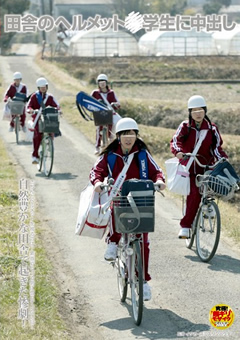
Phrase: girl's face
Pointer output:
(102, 84)
(43, 89)
(127, 140)
(17, 82)
(198, 114)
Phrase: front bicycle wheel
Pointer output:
(48, 155)
(41, 151)
(208, 226)
(190, 241)
(136, 283)
(122, 275)
(17, 126)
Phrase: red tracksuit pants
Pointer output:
(22, 120)
(192, 204)
(37, 138)
(113, 236)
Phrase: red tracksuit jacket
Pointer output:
(208, 151)
(100, 169)
(12, 89)
(111, 97)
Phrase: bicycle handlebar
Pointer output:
(189, 154)
(36, 111)
(110, 183)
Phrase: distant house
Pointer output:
(87, 8)
(233, 12)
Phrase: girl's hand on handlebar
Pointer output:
(159, 185)
(98, 187)
(180, 155)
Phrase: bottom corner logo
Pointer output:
(221, 316)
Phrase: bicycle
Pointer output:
(134, 215)
(48, 125)
(104, 119)
(17, 109)
(207, 223)
(94, 110)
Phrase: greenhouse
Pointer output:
(176, 43)
(95, 43)
(228, 42)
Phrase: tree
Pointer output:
(172, 7)
(10, 7)
(214, 6)
(124, 7)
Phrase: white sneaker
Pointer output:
(147, 294)
(97, 151)
(35, 160)
(184, 233)
(111, 252)
(11, 129)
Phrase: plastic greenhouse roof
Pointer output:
(227, 35)
(154, 35)
(97, 33)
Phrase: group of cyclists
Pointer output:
(36, 101)
(127, 141)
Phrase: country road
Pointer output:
(184, 289)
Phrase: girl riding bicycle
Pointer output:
(16, 87)
(107, 96)
(183, 141)
(126, 143)
(39, 99)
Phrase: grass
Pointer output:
(49, 324)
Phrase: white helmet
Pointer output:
(102, 77)
(196, 101)
(125, 124)
(41, 82)
(17, 75)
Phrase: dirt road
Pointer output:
(184, 289)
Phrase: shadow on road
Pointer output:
(65, 176)
(158, 324)
(220, 263)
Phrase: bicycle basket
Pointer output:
(16, 107)
(134, 214)
(50, 123)
(103, 117)
(216, 186)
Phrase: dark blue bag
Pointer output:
(219, 181)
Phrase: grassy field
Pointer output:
(49, 324)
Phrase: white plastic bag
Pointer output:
(30, 131)
(92, 220)
(7, 113)
(178, 180)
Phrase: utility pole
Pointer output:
(51, 7)
(42, 11)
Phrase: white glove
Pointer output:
(97, 186)
(160, 184)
